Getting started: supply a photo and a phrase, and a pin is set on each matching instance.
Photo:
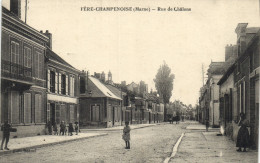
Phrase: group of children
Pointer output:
(53, 128)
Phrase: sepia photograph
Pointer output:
(119, 81)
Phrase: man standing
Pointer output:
(6, 127)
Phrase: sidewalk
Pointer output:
(208, 147)
(198, 126)
(31, 143)
(134, 126)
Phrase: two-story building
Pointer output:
(62, 89)
(23, 75)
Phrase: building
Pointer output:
(99, 106)
(239, 86)
(23, 75)
(62, 90)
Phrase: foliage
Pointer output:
(164, 82)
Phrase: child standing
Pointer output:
(76, 128)
(55, 128)
(126, 135)
(207, 125)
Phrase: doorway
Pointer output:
(52, 111)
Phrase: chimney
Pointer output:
(15, 7)
(241, 37)
(103, 77)
(228, 52)
(49, 35)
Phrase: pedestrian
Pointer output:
(71, 129)
(55, 128)
(49, 126)
(126, 135)
(62, 128)
(6, 128)
(243, 134)
(76, 128)
(207, 125)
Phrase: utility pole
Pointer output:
(25, 11)
(202, 74)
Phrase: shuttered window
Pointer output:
(14, 56)
(67, 85)
(27, 57)
(56, 82)
(59, 83)
(38, 108)
(95, 113)
(27, 108)
(38, 60)
(63, 84)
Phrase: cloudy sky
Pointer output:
(132, 45)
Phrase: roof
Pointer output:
(100, 90)
(20, 23)
(226, 75)
(52, 55)
(217, 68)
(115, 90)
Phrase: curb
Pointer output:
(175, 149)
(45, 145)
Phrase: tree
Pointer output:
(164, 82)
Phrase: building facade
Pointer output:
(62, 90)
(23, 75)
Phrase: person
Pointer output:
(243, 134)
(49, 126)
(76, 128)
(71, 129)
(126, 135)
(62, 128)
(207, 125)
(6, 128)
(55, 128)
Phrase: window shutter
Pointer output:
(48, 80)
(27, 108)
(73, 86)
(67, 84)
(38, 107)
(70, 86)
(48, 112)
(57, 116)
(59, 83)
(56, 82)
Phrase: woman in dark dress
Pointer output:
(243, 134)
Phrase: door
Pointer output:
(113, 116)
(52, 112)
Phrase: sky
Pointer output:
(133, 45)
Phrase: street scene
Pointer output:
(99, 81)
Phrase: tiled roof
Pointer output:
(115, 90)
(100, 90)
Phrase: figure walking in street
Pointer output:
(62, 128)
(76, 128)
(207, 125)
(71, 129)
(6, 128)
(126, 135)
(243, 134)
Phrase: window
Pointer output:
(52, 81)
(95, 113)
(14, 57)
(38, 60)
(15, 52)
(27, 57)
(63, 84)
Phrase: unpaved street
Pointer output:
(150, 144)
